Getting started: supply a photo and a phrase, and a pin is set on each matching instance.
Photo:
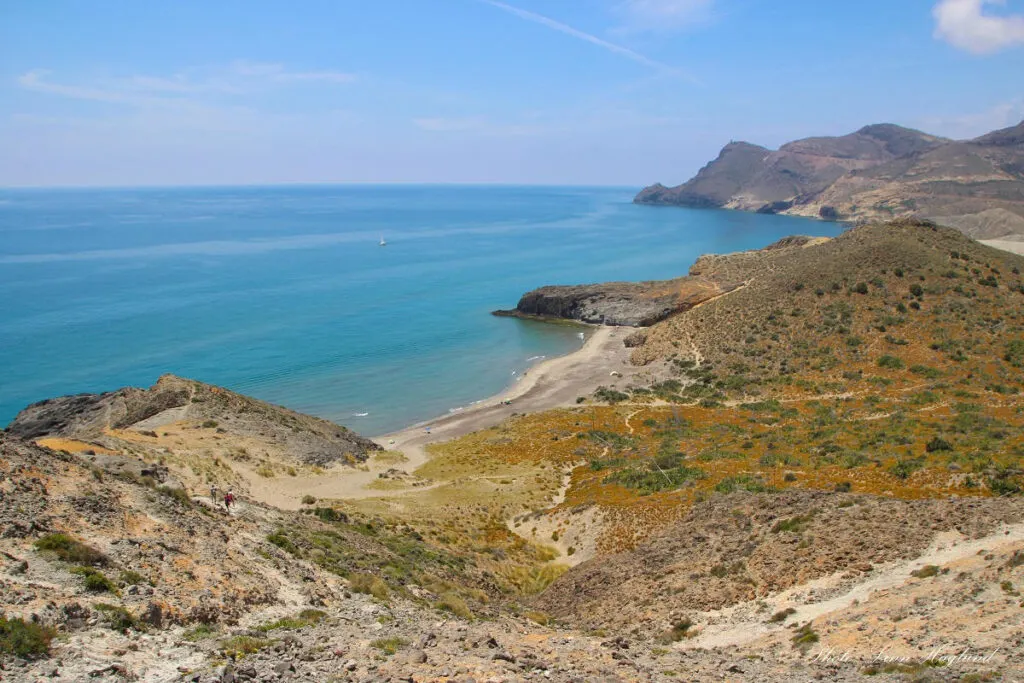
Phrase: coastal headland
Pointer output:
(822, 454)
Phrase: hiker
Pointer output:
(213, 493)
(229, 498)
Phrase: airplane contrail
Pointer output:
(581, 35)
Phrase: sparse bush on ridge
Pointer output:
(69, 549)
(369, 584)
(95, 580)
(24, 639)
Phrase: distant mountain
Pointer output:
(881, 171)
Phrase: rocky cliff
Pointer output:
(879, 172)
(642, 304)
(629, 304)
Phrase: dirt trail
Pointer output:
(631, 416)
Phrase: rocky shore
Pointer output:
(626, 304)
(642, 304)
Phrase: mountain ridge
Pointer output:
(881, 171)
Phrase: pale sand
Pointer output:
(1006, 245)
(551, 384)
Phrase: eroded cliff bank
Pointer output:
(642, 304)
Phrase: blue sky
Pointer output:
(530, 91)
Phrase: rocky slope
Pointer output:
(736, 548)
(100, 418)
(881, 171)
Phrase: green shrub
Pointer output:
(925, 572)
(1015, 353)
(176, 494)
(308, 499)
(804, 637)
(131, 578)
(607, 395)
(95, 580)
(1004, 483)
(116, 617)
(916, 290)
(450, 602)
(279, 539)
(937, 444)
(330, 515)
(389, 646)
(925, 371)
(890, 362)
(307, 617)
(71, 550)
(903, 468)
(239, 646)
(536, 617)
(743, 482)
(369, 584)
(24, 639)
(681, 629)
(782, 615)
(794, 524)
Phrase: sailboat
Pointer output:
(382, 242)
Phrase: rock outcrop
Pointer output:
(879, 172)
(173, 399)
(642, 304)
(628, 304)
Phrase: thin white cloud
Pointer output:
(238, 78)
(664, 15)
(581, 35)
(965, 25)
(36, 80)
(478, 126)
(972, 125)
(278, 73)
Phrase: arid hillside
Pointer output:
(878, 173)
(826, 457)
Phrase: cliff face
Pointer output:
(626, 304)
(879, 172)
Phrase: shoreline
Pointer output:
(552, 383)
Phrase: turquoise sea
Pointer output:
(283, 292)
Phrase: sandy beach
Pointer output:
(554, 383)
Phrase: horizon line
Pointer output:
(286, 183)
